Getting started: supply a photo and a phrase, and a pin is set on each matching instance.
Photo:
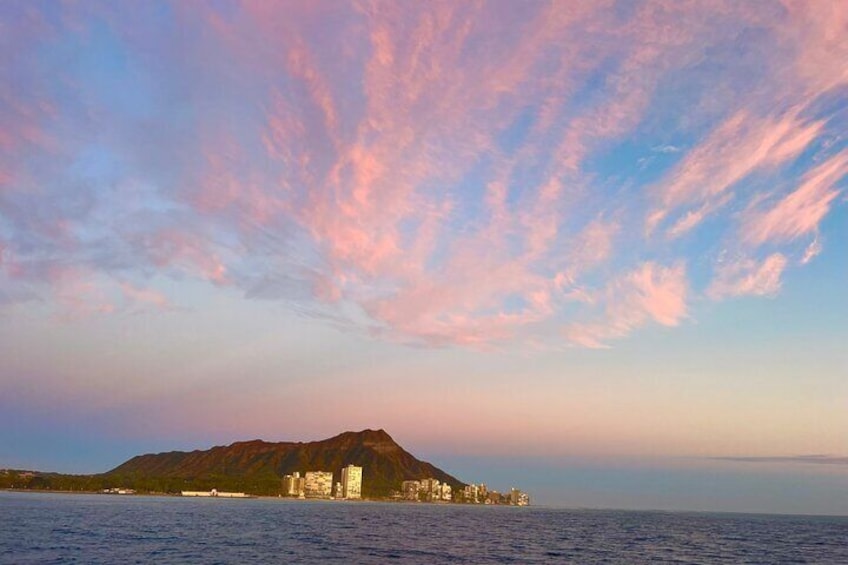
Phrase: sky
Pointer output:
(595, 250)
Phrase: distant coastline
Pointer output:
(367, 464)
(280, 498)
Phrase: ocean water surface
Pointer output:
(65, 528)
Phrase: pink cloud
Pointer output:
(226, 187)
(301, 66)
(467, 308)
(801, 211)
(650, 293)
(378, 229)
(428, 112)
(595, 244)
(748, 277)
(285, 126)
(739, 146)
(431, 165)
(692, 218)
(219, 188)
(79, 293)
(658, 291)
(23, 132)
(822, 47)
(359, 225)
(187, 252)
(812, 251)
(750, 141)
(144, 296)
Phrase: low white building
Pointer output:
(214, 493)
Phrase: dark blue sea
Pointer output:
(60, 528)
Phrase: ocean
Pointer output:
(67, 528)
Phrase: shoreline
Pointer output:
(252, 497)
(443, 503)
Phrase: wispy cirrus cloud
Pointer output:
(144, 296)
(813, 249)
(799, 212)
(467, 174)
(734, 150)
(747, 276)
(651, 293)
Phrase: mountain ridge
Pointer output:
(258, 465)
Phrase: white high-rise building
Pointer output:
(294, 484)
(352, 482)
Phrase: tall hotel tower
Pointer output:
(352, 482)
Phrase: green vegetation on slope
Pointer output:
(255, 467)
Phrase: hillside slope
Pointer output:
(257, 466)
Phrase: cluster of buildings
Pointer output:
(431, 490)
(319, 484)
(428, 490)
(479, 494)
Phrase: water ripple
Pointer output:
(54, 528)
